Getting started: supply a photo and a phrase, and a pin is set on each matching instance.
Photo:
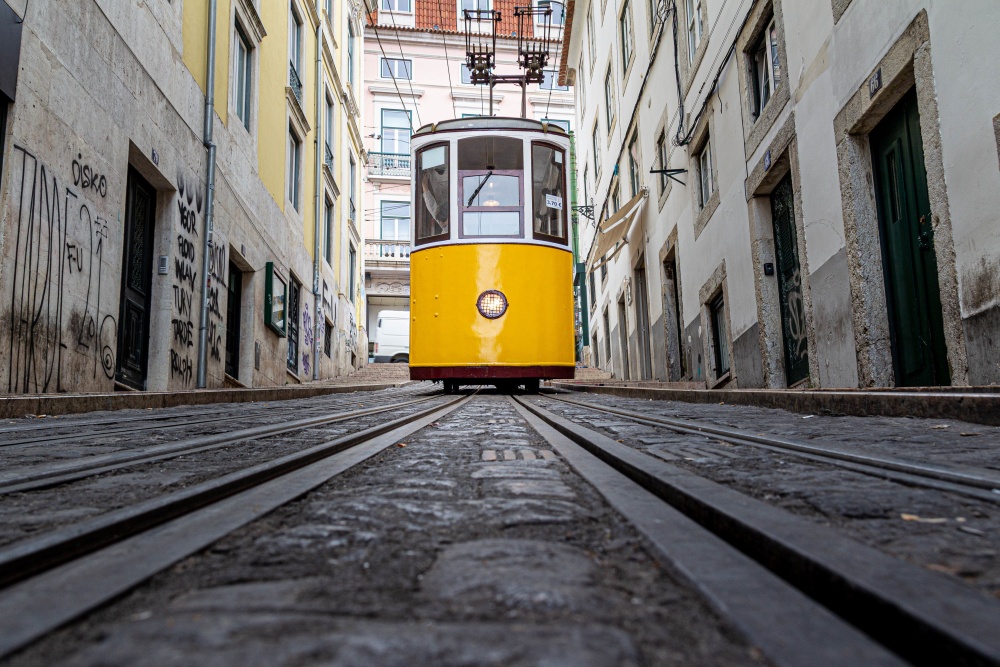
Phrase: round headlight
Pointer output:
(492, 304)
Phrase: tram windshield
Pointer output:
(491, 173)
(433, 199)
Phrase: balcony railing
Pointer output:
(388, 164)
(294, 82)
(328, 160)
(376, 249)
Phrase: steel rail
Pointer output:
(84, 567)
(46, 475)
(914, 471)
(82, 423)
(923, 616)
(34, 555)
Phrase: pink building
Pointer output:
(415, 75)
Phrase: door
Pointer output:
(623, 338)
(642, 323)
(672, 314)
(793, 314)
(916, 325)
(137, 274)
(233, 315)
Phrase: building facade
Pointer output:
(145, 248)
(415, 75)
(807, 190)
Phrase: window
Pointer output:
(352, 267)
(434, 197)
(395, 220)
(634, 178)
(564, 124)
(353, 180)
(328, 138)
(397, 68)
(706, 185)
(609, 98)
(625, 30)
(329, 12)
(294, 289)
(597, 150)
(593, 289)
(242, 74)
(294, 167)
(328, 230)
(490, 186)
(654, 14)
(765, 70)
(592, 38)
(275, 295)
(466, 74)
(475, 5)
(604, 279)
(661, 158)
(720, 336)
(581, 88)
(550, 80)
(586, 189)
(350, 53)
(694, 27)
(548, 192)
(295, 43)
(396, 130)
(397, 6)
(558, 13)
(616, 199)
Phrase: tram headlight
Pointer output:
(492, 304)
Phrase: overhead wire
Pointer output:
(395, 32)
(392, 74)
(447, 58)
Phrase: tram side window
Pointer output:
(490, 182)
(548, 192)
(433, 200)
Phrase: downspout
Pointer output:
(317, 262)
(210, 198)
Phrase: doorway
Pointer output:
(233, 315)
(137, 275)
(676, 360)
(645, 370)
(916, 326)
(623, 337)
(793, 315)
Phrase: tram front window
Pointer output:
(491, 171)
(433, 199)
(548, 192)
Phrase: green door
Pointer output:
(793, 313)
(916, 329)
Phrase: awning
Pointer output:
(612, 234)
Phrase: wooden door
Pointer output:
(793, 314)
(916, 325)
(137, 274)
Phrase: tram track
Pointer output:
(925, 617)
(56, 577)
(977, 483)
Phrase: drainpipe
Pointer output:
(317, 262)
(210, 198)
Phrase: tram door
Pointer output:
(137, 274)
(793, 315)
(916, 325)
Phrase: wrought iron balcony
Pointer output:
(387, 250)
(328, 159)
(294, 82)
(389, 164)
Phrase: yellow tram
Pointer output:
(491, 270)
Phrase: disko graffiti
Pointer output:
(61, 292)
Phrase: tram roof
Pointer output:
(489, 123)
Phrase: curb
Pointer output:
(39, 404)
(976, 407)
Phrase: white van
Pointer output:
(392, 337)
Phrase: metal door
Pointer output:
(137, 261)
(793, 314)
(916, 325)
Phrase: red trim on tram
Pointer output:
(492, 372)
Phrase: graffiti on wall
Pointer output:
(189, 206)
(61, 306)
(307, 339)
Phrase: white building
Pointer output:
(834, 223)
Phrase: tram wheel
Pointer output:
(531, 386)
